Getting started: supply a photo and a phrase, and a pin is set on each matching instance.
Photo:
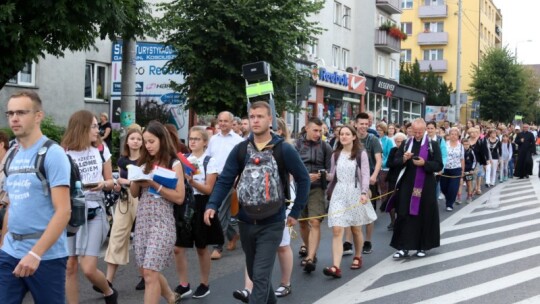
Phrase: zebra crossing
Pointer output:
(490, 253)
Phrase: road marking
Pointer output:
(477, 234)
(516, 215)
(532, 300)
(505, 208)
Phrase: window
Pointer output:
(26, 76)
(344, 58)
(406, 55)
(434, 27)
(393, 71)
(406, 4)
(433, 54)
(337, 13)
(95, 80)
(434, 2)
(381, 68)
(406, 27)
(347, 17)
(312, 49)
(411, 110)
(335, 56)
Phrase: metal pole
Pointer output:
(127, 103)
(458, 76)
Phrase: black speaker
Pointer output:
(256, 71)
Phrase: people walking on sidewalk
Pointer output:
(417, 222)
(349, 180)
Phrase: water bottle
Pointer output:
(78, 206)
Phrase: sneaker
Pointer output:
(140, 285)
(95, 288)
(421, 253)
(367, 249)
(469, 200)
(458, 202)
(283, 290)
(183, 291)
(242, 295)
(113, 298)
(201, 291)
(347, 249)
(449, 209)
(441, 196)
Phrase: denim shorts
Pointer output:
(47, 284)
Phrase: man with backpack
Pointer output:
(33, 251)
(316, 155)
(262, 191)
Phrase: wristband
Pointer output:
(159, 189)
(34, 255)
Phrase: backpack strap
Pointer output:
(205, 164)
(10, 154)
(277, 152)
(101, 150)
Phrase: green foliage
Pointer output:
(115, 149)
(438, 92)
(52, 130)
(215, 38)
(498, 83)
(32, 28)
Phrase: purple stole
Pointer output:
(419, 179)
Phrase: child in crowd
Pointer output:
(507, 152)
(470, 165)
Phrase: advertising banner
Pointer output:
(436, 113)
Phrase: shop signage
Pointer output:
(385, 86)
(339, 80)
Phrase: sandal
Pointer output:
(356, 263)
(283, 290)
(242, 295)
(401, 254)
(303, 251)
(303, 261)
(333, 271)
(310, 266)
(176, 298)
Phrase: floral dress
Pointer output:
(155, 232)
(345, 209)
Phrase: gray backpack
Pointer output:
(260, 188)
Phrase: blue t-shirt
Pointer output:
(30, 210)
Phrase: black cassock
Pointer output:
(422, 231)
(526, 148)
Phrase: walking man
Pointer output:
(261, 236)
(526, 148)
(33, 251)
(316, 155)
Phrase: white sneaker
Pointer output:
(449, 209)
(441, 196)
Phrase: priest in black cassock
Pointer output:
(526, 148)
(417, 222)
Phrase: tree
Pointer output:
(531, 107)
(438, 92)
(32, 28)
(498, 83)
(215, 38)
(410, 75)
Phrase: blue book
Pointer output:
(165, 177)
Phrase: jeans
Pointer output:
(511, 167)
(47, 284)
(260, 244)
(450, 185)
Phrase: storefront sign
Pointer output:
(385, 86)
(339, 80)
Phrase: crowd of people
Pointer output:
(241, 189)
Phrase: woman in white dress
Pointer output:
(348, 189)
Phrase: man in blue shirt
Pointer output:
(261, 238)
(33, 251)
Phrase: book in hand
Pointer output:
(135, 173)
(165, 177)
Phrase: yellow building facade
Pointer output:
(432, 29)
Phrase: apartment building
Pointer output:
(432, 27)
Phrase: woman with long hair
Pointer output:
(83, 143)
(126, 207)
(349, 180)
(201, 235)
(155, 232)
(105, 129)
(453, 169)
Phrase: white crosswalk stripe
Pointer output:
(474, 240)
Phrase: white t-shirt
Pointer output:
(221, 145)
(91, 169)
(210, 169)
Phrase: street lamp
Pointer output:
(516, 50)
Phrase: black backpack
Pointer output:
(39, 169)
(183, 214)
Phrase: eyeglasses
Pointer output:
(94, 126)
(19, 113)
(195, 139)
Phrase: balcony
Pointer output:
(433, 11)
(389, 6)
(437, 66)
(386, 43)
(433, 38)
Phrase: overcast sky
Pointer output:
(520, 23)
